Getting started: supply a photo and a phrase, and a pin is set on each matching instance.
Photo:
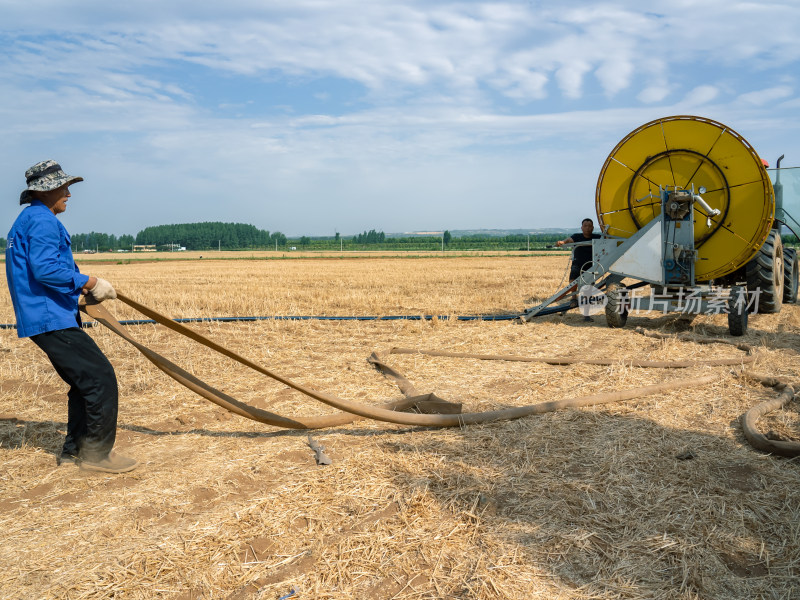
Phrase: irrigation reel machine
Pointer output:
(686, 206)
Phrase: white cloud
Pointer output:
(653, 94)
(410, 46)
(702, 94)
(770, 95)
(615, 75)
(570, 77)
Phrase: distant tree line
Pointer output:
(100, 241)
(209, 235)
(238, 236)
(378, 240)
(192, 236)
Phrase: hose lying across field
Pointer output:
(432, 411)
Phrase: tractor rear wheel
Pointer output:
(765, 274)
(791, 275)
(616, 307)
(737, 311)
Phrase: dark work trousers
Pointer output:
(579, 266)
(93, 395)
(574, 271)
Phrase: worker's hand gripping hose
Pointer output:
(103, 290)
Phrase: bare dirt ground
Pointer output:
(659, 497)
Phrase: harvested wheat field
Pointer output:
(655, 497)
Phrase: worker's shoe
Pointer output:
(66, 459)
(113, 463)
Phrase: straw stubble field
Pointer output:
(578, 504)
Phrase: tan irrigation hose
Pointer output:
(758, 440)
(786, 393)
(655, 364)
(747, 348)
(99, 313)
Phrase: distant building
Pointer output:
(173, 248)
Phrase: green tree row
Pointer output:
(377, 240)
(210, 235)
(238, 236)
(100, 241)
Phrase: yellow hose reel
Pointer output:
(681, 152)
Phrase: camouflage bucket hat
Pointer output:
(43, 177)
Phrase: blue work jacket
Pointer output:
(43, 279)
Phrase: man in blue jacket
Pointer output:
(45, 286)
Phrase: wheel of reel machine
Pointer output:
(791, 275)
(766, 272)
(681, 151)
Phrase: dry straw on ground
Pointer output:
(655, 498)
